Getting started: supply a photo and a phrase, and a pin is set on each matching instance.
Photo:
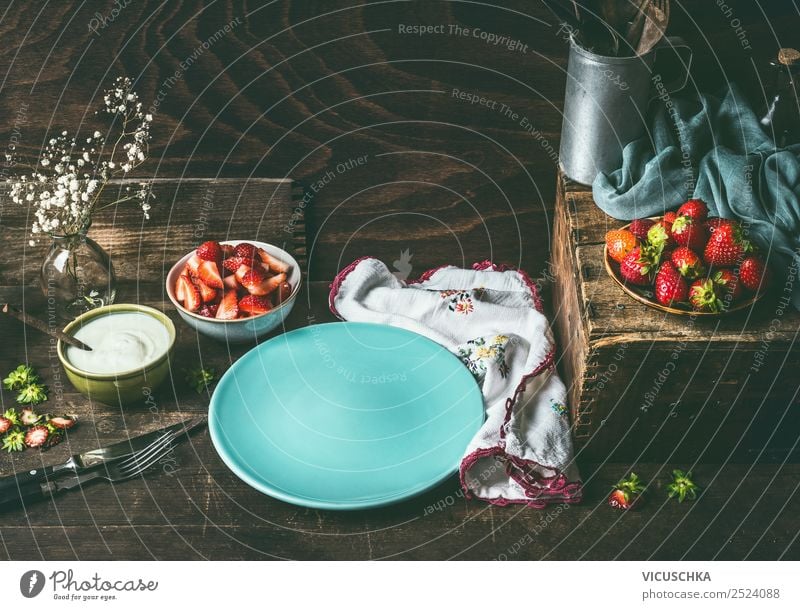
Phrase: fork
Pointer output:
(113, 472)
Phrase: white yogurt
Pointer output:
(120, 342)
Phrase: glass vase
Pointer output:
(77, 275)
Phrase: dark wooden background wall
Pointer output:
(295, 88)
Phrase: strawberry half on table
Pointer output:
(627, 493)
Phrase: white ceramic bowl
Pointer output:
(242, 329)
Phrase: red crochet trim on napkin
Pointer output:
(336, 284)
(538, 488)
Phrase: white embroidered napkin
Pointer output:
(490, 317)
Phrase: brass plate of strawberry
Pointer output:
(646, 296)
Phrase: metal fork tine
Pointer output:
(154, 446)
(143, 465)
(132, 456)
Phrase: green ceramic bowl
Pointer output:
(127, 386)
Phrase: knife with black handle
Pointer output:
(14, 484)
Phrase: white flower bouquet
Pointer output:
(65, 184)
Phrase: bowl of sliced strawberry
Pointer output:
(234, 290)
(687, 263)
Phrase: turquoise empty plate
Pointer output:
(345, 415)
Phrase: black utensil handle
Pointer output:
(8, 485)
(25, 494)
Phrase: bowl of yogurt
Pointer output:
(131, 345)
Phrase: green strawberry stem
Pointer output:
(682, 486)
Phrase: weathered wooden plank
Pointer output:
(649, 385)
(184, 213)
(192, 515)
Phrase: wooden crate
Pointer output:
(645, 385)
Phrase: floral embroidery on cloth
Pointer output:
(478, 353)
(559, 408)
(460, 301)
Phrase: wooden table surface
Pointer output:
(293, 90)
(193, 507)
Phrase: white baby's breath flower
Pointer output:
(63, 191)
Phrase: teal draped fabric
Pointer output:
(713, 148)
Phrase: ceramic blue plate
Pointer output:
(345, 415)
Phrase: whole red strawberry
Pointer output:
(659, 236)
(637, 266)
(670, 217)
(726, 246)
(690, 233)
(712, 223)
(754, 274)
(703, 296)
(687, 262)
(730, 288)
(626, 493)
(670, 287)
(640, 227)
(619, 243)
(210, 251)
(696, 209)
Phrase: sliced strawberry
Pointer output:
(36, 436)
(228, 306)
(252, 279)
(180, 292)
(63, 422)
(256, 282)
(274, 264)
(210, 251)
(28, 416)
(209, 273)
(230, 282)
(233, 263)
(283, 293)
(228, 250)
(240, 272)
(208, 310)
(245, 251)
(182, 288)
(5, 425)
(207, 293)
(191, 294)
(193, 263)
(254, 305)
